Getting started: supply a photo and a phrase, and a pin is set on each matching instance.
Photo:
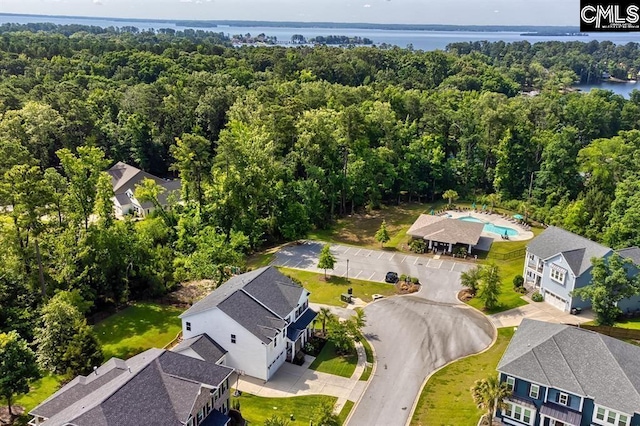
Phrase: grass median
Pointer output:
(446, 398)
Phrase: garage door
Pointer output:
(555, 301)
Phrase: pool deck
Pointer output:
(497, 220)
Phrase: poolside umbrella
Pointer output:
(484, 207)
(505, 233)
(518, 216)
(473, 206)
(432, 212)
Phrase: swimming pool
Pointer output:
(490, 227)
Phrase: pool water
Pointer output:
(490, 227)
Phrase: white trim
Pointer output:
(607, 412)
(531, 385)
(512, 406)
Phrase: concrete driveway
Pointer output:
(412, 335)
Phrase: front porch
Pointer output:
(299, 333)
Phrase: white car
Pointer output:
(377, 296)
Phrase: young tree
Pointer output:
(193, 161)
(493, 199)
(18, 367)
(450, 195)
(148, 191)
(343, 334)
(489, 395)
(490, 286)
(323, 414)
(610, 283)
(327, 260)
(382, 235)
(471, 279)
(66, 344)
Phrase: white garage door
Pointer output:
(555, 301)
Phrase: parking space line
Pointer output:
(392, 256)
(380, 255)
(371, 276)
(370, 253)
(358, 274)
(405, 258)
(453, 266)
(358, 252)
(415, 261)
(296, 265)
(347, 249)
(285, 262)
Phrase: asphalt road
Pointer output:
(412, 335)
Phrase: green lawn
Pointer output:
(258, 260)
(138, 328)
(257, 409)
(446, 398)
(344, 413)
(632, 323)
(328, 361)
(328, 292)
(508, 299)
(368, 369)
(40, 390)
(360, 229)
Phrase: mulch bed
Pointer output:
(407, 288)
(5, 419)
(465, 295)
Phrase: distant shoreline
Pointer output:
(334, 25)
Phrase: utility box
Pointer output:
(345, 297)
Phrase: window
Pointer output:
(557, 274)
(200, 416)
(188, 326)
(511, 383)
(518, 412)
(563, 399)
(604, 416)
(233, 338)
(534, 391)
(600, 413)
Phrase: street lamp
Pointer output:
(347, 270)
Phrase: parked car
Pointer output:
(391, 277)
(377, 296)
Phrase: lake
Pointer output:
(623, 89)
(423, 40)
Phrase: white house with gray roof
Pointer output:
(562, 375)
(125, 178)
(558, 262)
(156, 387)
(261, 318)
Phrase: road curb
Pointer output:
(373, 372)
(493, 342)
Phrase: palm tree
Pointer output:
(325, 315)
(489, 394)
(525, 206)
(450, 195)
(493, 199)
(471, 279)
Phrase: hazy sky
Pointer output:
(478, 12)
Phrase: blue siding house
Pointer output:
(558, 262)
(561, 375)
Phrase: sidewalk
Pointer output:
(539, 311)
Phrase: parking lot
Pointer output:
(364, 264)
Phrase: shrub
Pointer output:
(418, 246)
(537, 297)
(414, 280)
(518, 281)
(403, 277)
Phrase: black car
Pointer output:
(391, 277)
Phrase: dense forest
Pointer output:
(271, 142)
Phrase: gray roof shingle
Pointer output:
(156, 387)
(578, 361)
(446, 230)
(124, 177)
(276, 291)
(632, 253)
(203, 345)
(251, 315)
(576, 249)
